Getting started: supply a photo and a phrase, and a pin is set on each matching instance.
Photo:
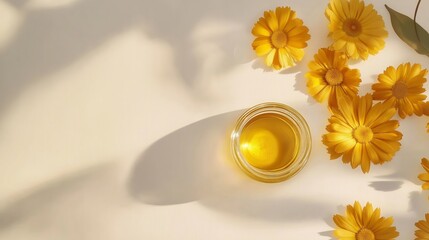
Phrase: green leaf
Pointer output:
(404, 28)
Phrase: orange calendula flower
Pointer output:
(363, 224)
(362, 133)
(281, 37)
(329, 77)
(356, 28)
(403, 87)
(422, 233)
(425, 176)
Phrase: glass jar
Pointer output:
(271, 142)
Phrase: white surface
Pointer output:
(114, 117)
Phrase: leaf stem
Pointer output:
(415, 23)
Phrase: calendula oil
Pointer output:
(271, 142)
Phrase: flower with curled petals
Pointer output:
(329, 76)
(357, 29)
(402, 86)
(362, 133)
(281, 37)
(364, 224)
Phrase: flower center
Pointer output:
(334, 76)
(352, 27)
(279, 39)
(400, 89)
(365, 234)
(363, 134)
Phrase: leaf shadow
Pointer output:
(51, 39)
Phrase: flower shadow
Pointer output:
(386, 186)
(418, 203)
(328, 220)
(417, 207)
(327, 234)
(406, 162)
(301, 86)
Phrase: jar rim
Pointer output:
(304, 148)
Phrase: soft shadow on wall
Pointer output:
(50, 39)
(66, 199)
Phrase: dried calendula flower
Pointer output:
(362, 133)
(356, 28)
(281, 37)
(330, 78)
(363, 224)
(422, 233)
(403, 87)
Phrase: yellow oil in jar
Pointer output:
(269, 141)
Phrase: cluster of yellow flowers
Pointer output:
(360, 131)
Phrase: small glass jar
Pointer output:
(271, 142)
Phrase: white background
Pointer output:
(115, 115)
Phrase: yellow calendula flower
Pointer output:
(363, 224)
(329, 77)
(425, 176)
(356, 28)
(281, 37)
(362, 133)
(422, 233)
(402, 86)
